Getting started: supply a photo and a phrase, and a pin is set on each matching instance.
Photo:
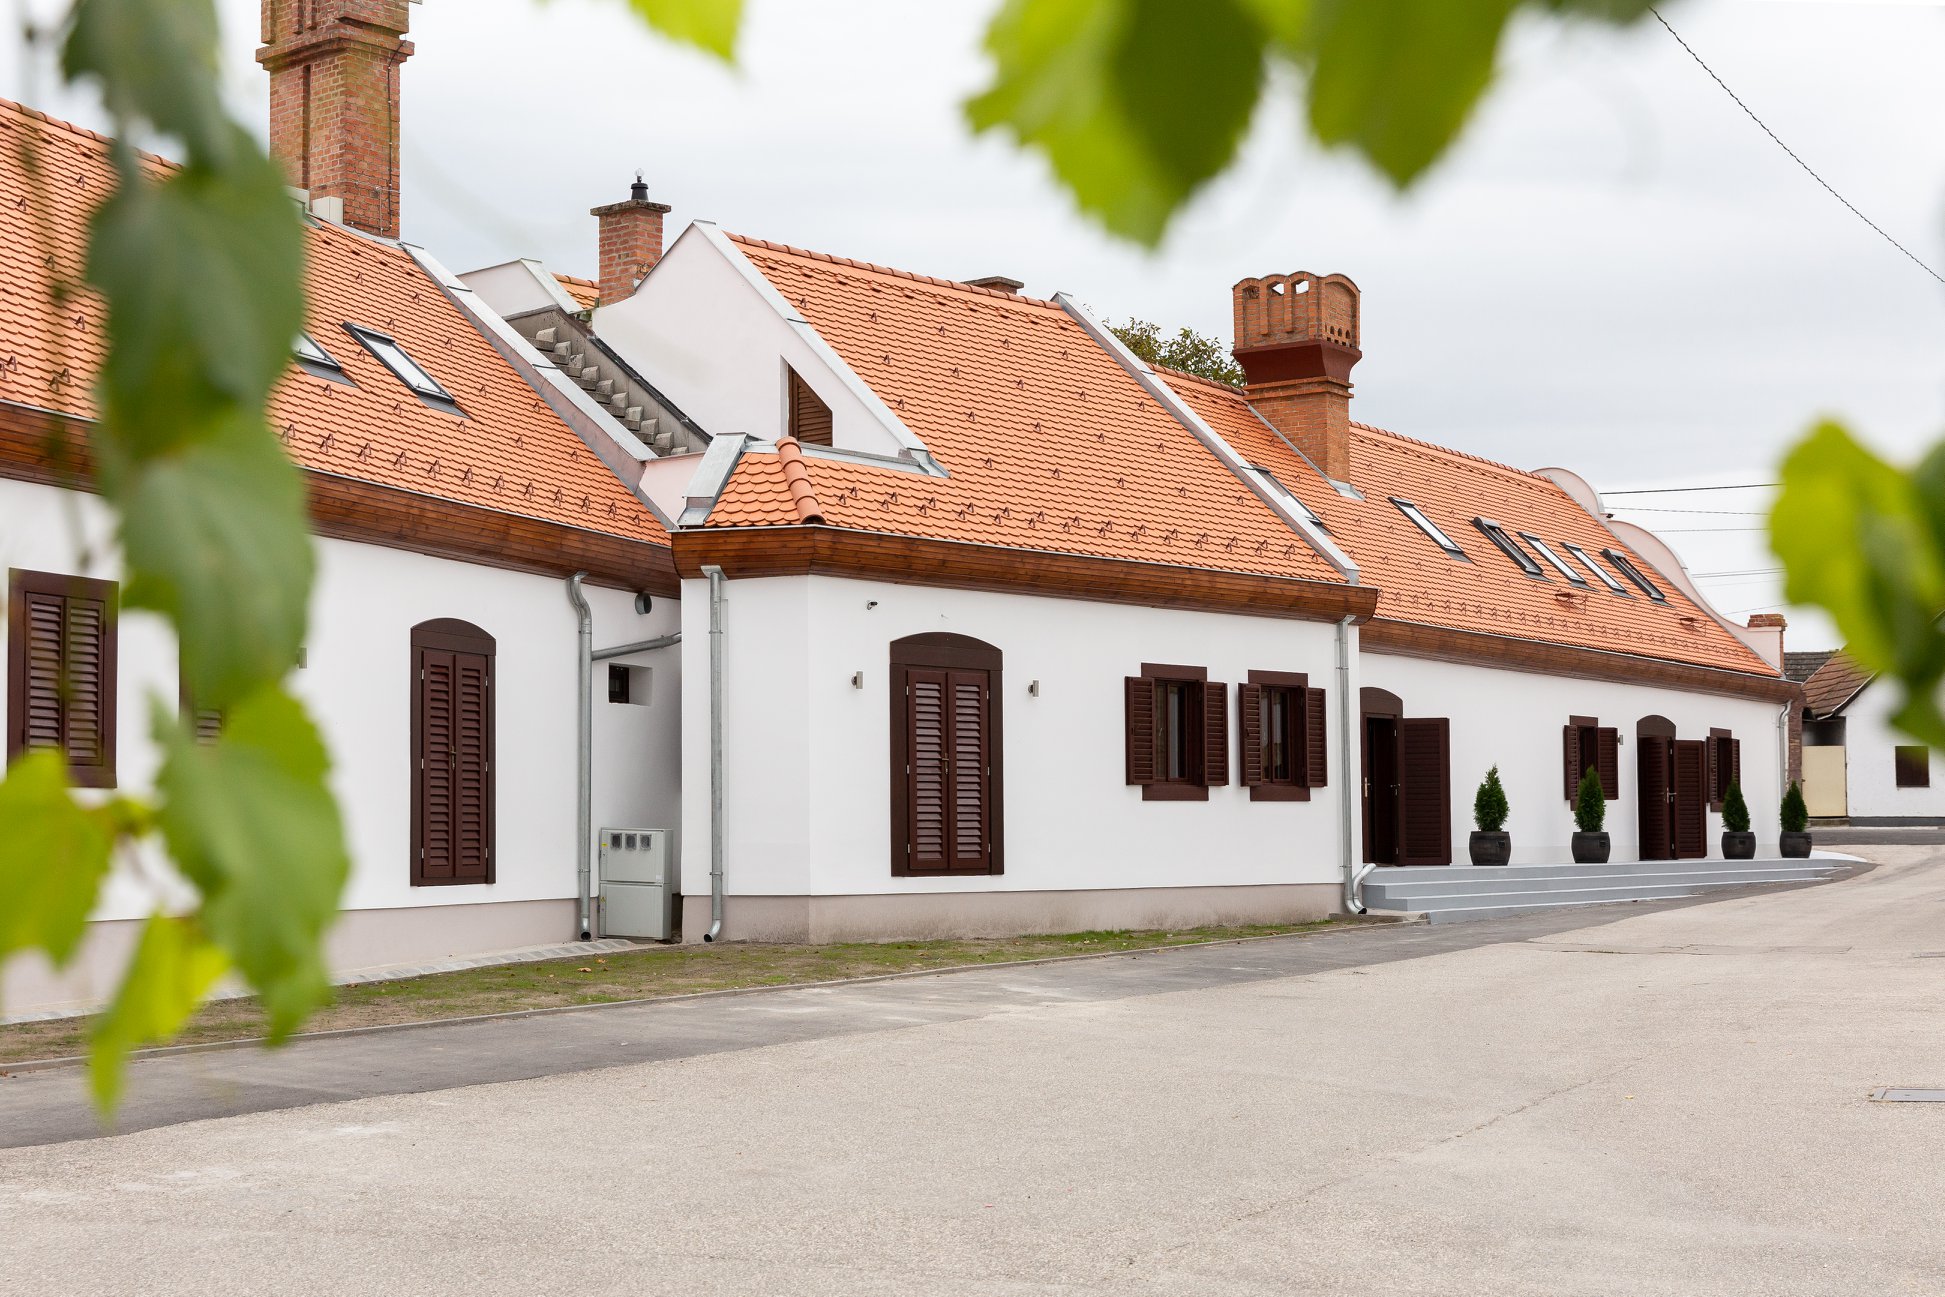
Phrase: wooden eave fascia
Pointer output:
(744, 552)
(47, 447)
(1511, 653)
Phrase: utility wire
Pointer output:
(1792, 152)
(1737, 513)
(1673, 490)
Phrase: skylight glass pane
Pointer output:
(400, 363)
(308, 350)
(1587, 561)
(1429, 527)
(1497, 535)
(1636, 575)
(1560, 565)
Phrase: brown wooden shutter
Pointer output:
(472, 769)
(1653, 790)
(1607, 761)
(810, 418)
(61, 672)
(45, 639)
(1570, 759)
(928, 776)
(1315, 752)
(1215, 734)
(1735, 762)
(1249, 716)
(453, 799)
(436, 766)
(969, 768)
(1425, 791)
(1691, 798)
(1141, 729)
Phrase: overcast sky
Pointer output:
(1615, 271)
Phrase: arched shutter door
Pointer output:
(1215, 734)
(1316, 750)
(1653, 790)
(454, 807)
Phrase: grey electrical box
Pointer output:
(637, 889)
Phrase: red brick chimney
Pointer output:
(631, 242)
(1296, 339)
(333, 68)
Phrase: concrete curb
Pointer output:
(1379, 921)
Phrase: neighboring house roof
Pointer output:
(1050, 444)
(585, 292)
(1419, 583)
(1801, 665)
(1831, 686)
(511, 455)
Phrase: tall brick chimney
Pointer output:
(631, 241)
(1296, 339)
(333, 68)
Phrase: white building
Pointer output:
(1857, 766)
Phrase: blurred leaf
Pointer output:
(203, 275)
(215, 535)
(250, 821)
(1863, 540)
(173, 968)
(155, 61)
(1136, 103)
(707, 24)
(53, 856)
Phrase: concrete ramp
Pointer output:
(1455, 893)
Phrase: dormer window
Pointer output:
(1288, 497)
(810, 418)
(1634, 574)
(1587, 561)
(1560, 565)
(315, 360)
(399, 361)
(1497, 535)
(1429, 527)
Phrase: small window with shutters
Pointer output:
(810, 418)
(61, 671)
(1177, 733)
(1283, 736)
(1912, 765)
(1586, 744)
(1724, 766)
(452, 754)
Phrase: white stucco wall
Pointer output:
(1514, 720)
(807, 755)
(1870, 764)
(357, 684)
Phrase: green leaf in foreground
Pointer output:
(53, 856)
(155, 61)
(1136, 103)
(173, 968)
(707, 24)
(1863, 540)
(250, 821)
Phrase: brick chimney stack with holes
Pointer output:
(1296, 339)
(334, 67)
(631, 242)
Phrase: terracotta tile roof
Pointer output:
(1419, 583)
(511, 453)
(585, 292)
(1833, 685)
(1051, 445)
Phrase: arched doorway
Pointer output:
(452, 754)
(1407, 769)
(1673, 793)
(945, 756)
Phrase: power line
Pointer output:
(1690, 531)
(1792, 152)
(1676, 490)
(1739, 513)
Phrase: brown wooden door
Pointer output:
(1689, 806)
(949, 778)
(454, 801)
(1425, 791)
(1657, 824)
(1381, 790)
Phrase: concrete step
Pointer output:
(1385, 890)
(1464, 906)
(1408, 872)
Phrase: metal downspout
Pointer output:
(584, 753)
(715, 575)
(1347, 818)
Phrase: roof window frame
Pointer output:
(1283, 492)
(1625, 566)
(377, 342)
(1614, 587)
(318, 362)
(1560, 565)
(1505, 544)
(1433, 532)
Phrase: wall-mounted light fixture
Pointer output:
(869, 604)
(857, 679)
(1033, 689)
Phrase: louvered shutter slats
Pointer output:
(1653, 771)
(1735, 761)
(1249, 721)
(1691, 799)
(61, 672)
(1215, 734)
(1424, 780)
(969, 763)
(437, 767)
(1315, 750)
(1570, 760)
(1140, 726)
(1607, 761)
(471, 795)
(453, 809)
(44, 636)
(929, 793)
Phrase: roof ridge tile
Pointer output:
(796, 477)
(893, 271)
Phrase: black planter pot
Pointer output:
(1795, 846)
(1491, 848)
(1590, 848)
(1738, 846)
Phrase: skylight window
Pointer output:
(1634, 574)
(311, 354)
(1587, 561)
(400, 363)
(1429, 527)
(1560, 565)
(1288, 496)
(1497, 535)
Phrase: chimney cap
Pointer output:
(1776, 619)
(998, 283)
(638, 191)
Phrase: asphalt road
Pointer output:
(1670, 1102)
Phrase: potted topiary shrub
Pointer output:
(1490, 846)
(1590, 814)
(1738, 843)
(1795, 840)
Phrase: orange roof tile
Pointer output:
(511, 453)
(1418, 582)
(585, 292)
(1050, 444)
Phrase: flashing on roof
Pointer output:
(1430, 528)
(1288, 496)
(1634, 574)
(1587, 561)
(400, 362)
(1497, 535)
(1560, 565)
(317, 362)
